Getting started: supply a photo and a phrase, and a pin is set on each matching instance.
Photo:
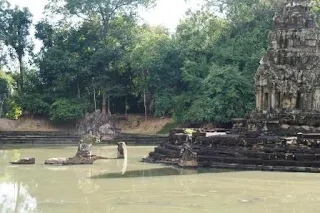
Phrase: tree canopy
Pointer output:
(100, 56)
(15, 34)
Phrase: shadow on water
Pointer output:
(169, 171)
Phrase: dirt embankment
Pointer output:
(31, 124)
(133, 124)
(136, 124)
(6, 124)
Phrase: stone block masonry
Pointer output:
(288, 76)
(240, 151)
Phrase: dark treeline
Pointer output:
(98, 56)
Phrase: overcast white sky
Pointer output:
(167, 12)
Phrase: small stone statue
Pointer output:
(121, 147)
(84, 147)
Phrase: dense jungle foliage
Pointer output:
(99, 56)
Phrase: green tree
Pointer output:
(6, 83)
(224, 94)
(197, 36)
(102, 13)
(156, 66)
(3, 14)
(220, 57)
(6, 88)
(15, 29)
(72, 64)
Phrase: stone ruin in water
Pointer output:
(93, 128)
(283, 132)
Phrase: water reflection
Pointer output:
(160, 172)
(86, 185)
(14, 197)
(10, 155)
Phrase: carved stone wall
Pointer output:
(288, 77)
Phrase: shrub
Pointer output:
(35, 104)
(163, 104)
(66, 110)
(11, 109)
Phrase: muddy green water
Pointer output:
(145, 187)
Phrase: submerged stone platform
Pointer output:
(254, 151)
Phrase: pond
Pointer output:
(145, 187)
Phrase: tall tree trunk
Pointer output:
(150, 102)
(104, 103)
(109, 110)
(2, 99)
(79, 93)
(94, 99)
(126, 107)
(21, 72)
(145, 104)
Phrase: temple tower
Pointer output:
(288, 78)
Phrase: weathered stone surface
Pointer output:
(285, 126)
(97, 124)
(76, 160)
(264, 152)
(287, 81)
(106, 129)
(306, 128)
(89, 139)
(188, 157)
(55, 161)
(288, 74)
(84, 147)
(107, 137)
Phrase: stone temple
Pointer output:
(288, 76)
(282, 133)
(288, 79)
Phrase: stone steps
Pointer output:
(35, 133)
(28, 137)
